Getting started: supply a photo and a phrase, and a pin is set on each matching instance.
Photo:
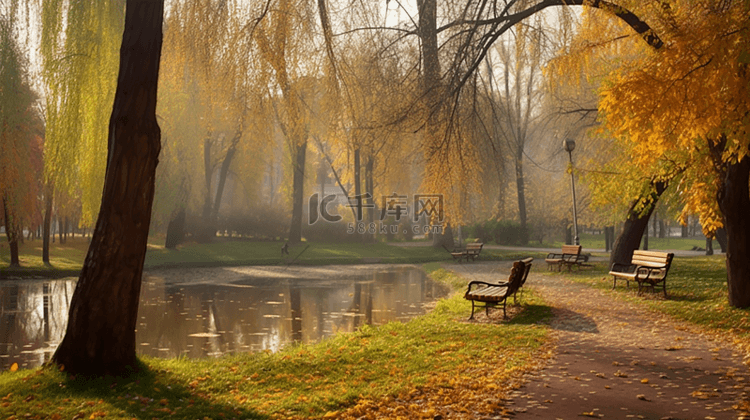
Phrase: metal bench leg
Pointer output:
(472, 311)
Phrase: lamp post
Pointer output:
(569, 145)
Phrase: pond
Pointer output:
(211, 312)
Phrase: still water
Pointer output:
(212, 312)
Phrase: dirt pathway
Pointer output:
(615, 361)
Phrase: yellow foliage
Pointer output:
(678, 113)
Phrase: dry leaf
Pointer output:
(14, 367)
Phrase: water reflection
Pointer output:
(239, 314)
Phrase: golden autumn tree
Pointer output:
(19, 135)
(210, 104)
(687, 106)
(283, 40)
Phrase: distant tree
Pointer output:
(19, 137)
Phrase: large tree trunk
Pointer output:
(295, 231)
(634, 227)
(11, 231)
(734, 200)
(100, 336)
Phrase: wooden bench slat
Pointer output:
(649, 260)
(659, 254)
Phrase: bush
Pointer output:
(503, 232)
(259, 224)
(323, 231)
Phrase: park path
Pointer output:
(616, 360)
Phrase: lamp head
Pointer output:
(569, 145)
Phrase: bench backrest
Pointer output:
(652, 258)
(571, 249)
(527, 267)
(474, 246)
(517, 277)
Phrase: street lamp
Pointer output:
(569, 145)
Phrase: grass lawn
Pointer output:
(591, 241)
(434, 364)
(67, 259)
(697, 289)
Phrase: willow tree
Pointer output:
(100, 336)
(283, 43)
(208, 101)
(79, 74)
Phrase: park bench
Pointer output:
(493, 294)
(472, 251)
(570, 256)
(646, 268)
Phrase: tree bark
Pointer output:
(11, 232)
(223, 173)
(634, 226)
(369, 189)
(295, 231)
(709, 246)
(734, 200)
(100, 336)
(207, 231)
(175, 230)
(521, 191)
(358, 184)
(721, 237)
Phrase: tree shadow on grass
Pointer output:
(146, 393)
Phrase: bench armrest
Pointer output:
(646, 272)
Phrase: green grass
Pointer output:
(66, 260)
(697, 289)
(365, 370)
(591, 241)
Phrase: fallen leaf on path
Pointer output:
(643, 397)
